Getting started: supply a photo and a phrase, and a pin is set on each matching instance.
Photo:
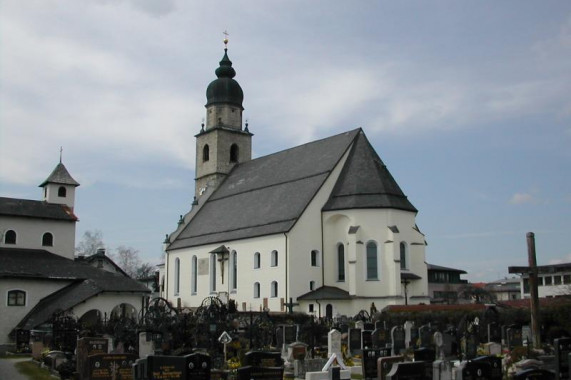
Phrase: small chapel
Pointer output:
(321, 228)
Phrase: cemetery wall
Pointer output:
(35, 289)
(30, 231)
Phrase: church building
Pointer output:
(321, 228)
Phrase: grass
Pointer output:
(31, 369)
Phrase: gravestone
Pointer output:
(111, 366)
(414, 338)
(301, 367)
(407, 371)
(442, 370)
(526, 335)
(194, 366)
(334, 343)
(379, 338)
(354, 341)
(263, 359)
(513, 336)
(449, 346)
(495, 364)
(285, 334)
(473, 370)
(494, 333)
(369, 361)
(366, 339)
(369, 326)
(438, 339)
(380, 325)
(140, 371)
(296, 351)
(385, 364)
(86, 347)
(408, 325)
(493, 348)
(562, 352)
(426, 356)
(146, 344)
(398, 337)
(425, 332)
(360, 325)
(471, 350)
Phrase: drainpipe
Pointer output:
(286, 268)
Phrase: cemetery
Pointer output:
(216, 341)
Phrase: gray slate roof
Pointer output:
(61, 176)
(269, 194)
(441, 268)
(86, 280)
(35, 209)
(326, 293)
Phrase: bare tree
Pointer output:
(128, 259)
(91, 241)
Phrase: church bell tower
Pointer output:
(222, 142)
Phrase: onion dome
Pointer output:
(225, 89)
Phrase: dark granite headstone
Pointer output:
(562, 351)
(475, 370)
(414, 338)
(385, 364)
(366, 339)
(354, 341)
(198, 366)
(369, 326)
(471, 346)
(369, 361)
(513, 336)
(263, 359)
(495, 363)
(407, 371)
(140, 371)
(494, 333)
(425, 354)
(167, 367)
(259, 373)
(425, 333)
(85, 347)
(111, 366)
(398, 338)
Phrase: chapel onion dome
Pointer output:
(225, 89)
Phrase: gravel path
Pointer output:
(9, 372)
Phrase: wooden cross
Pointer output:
(290, 305)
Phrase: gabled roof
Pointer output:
(326, 293)
(100, 255)
(365, 182)
(61, 176)
(269, 194)
(35, 209)
(441, 268)
(266, 195)
(86, 281)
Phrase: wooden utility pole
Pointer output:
(534, 298)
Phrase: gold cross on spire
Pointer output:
(225, 39)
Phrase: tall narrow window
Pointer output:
(205, 153)
(212, 273)
(16, 298)
(274, 259)
(340, 262)
(194, 284)
(48, 240)
(274, 290)
(256, 290)
(234, 153)
(176, 276)
(314, 258)
(257, 260)
(234, 264)
(372, 270)
(10, 237)
(403, 263)
(61, 192)
(311, 285)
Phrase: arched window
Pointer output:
(176, 276)
(274, 259)
(257, 260)
(234, 273)
(10, 237)
(205, 153)
(61, 192)
(194, 283)
(16, 298)
(314, 258)
(256, 290)
(311, 285)
(234, 153)
(212, 273)
(274, 290)
(48, 240)
(403, 263)
(340, 262)
(372, 269)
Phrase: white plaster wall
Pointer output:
(105, 302)
(29, 233)
(35, 289)
(247, 275)
(51, 194)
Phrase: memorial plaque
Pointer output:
(167, 367)
(111, 366)
(385, 364)
(86, 347)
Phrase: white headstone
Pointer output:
(408, 325)
(334, 343)
(360, 325)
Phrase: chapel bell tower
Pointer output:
(221, 143)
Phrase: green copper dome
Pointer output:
(225, 89)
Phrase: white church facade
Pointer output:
(323, 225)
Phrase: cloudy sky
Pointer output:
(468, 103)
